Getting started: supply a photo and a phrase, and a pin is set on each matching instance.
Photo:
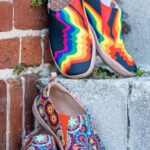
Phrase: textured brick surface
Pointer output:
(15, 114)
(31, 51)
(27, 17)
(9, 53)
(47, 53)
(30, 94)
(6, 16)
(3, 103)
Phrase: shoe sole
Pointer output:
(109, 61)
(44, 125)
(93, 60)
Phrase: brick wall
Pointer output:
(23, 34)
(16, 99)
(23, 39)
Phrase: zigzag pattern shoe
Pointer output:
(60, 114)
(72, 45)
(106, 22)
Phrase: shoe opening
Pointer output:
(64, 102)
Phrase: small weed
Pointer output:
(36, 3)
(19, 69)
(101, 73)
(51, 68)
(139, 72)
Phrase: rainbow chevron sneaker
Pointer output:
(72, 45)
(106, 22)
(39, 142)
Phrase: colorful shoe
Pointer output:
(106, 24)
(39, 142)
(60, 114)
(72, 45)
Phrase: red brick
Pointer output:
(30, 95)
(28, 17)
(3, 103)
(6, 16)
(31, 51)
(47, 53)
(16, 107)
(9, 53)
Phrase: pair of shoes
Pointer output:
(59, 113)
(80, 27)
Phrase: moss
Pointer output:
(101, 73)
(19, 69)
(36, 3)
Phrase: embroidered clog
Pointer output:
(60, 114)
(39, 142)
(72, 46)
(106, 24)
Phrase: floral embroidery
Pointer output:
(40, 142)
(50, 109)
(87, 144)
(40, 139)
(73, 123)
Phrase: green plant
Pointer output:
(19, 69)
(101, 73)
(36, 3)
(51, 68)
(139, 72)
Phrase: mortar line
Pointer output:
(20, 50)
(42, 47)
(23, 107)
(7, 115)
(13, 21)
(128, 118)
(22, 33)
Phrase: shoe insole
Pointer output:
(64, 102)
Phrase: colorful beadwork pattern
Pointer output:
(107, 24)
(74, 132)
(39, 142)
(70, 39)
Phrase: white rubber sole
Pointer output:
(44, 125)
(109, 61)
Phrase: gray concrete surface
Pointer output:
(120, 110)
(108, 110)
(139, 104)
(138, 40)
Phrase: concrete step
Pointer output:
(120, 110)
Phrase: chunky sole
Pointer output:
(44, 125)
(109, 61)
(93, 60)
